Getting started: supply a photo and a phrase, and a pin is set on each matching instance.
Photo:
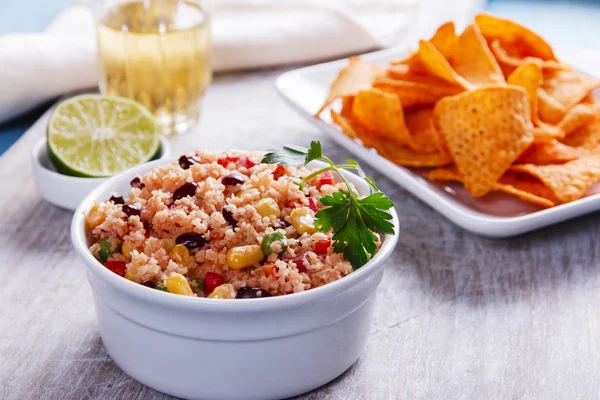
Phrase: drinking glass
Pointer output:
(156, 52)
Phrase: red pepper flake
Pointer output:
(322, 246)
(312, 204)
(211, 281)
(279, 172)
(326, 178)
(118, 267)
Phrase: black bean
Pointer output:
(137, 183)
(130, 210)
(187, 189)
(234, 179)
(117, 199)
(281, 224)
(251, 293)
(191, 240)
(186, 162)
(228, 215)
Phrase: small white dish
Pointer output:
(495, 215)
(201, 348)
(63, 190)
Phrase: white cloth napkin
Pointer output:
(245, 33)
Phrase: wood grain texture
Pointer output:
(458, 316)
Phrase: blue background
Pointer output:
(564, 22)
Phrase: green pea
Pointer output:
(273, 237)
(105, 250)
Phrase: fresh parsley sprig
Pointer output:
(353, 219)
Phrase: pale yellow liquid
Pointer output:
(158, 53)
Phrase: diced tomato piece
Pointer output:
(312, 205)
(226, 160)
(246, 162)
(271, 270)
(279, 172)
(118, 267)
(211, 281)
(321, 246)
(300, 262)
(326, 178)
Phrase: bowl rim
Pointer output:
(79, 242)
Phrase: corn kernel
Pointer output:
(126, 249)
(303, 220)
(179, 285)
(180, 254)
(244, 256)
(168, 244)
(268, 207)
(129, 274)
(94, 217)
(224, 291)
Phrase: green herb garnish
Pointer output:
(161, 288)
(105, 250)
(200, 283)
(353, 219)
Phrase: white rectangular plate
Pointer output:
(495, 215)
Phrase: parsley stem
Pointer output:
(333, 167)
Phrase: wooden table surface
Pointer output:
(458, 316)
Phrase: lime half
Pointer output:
(97, 135)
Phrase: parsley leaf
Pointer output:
(353, 219)
(287, 156)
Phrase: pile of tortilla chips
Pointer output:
(491, 108)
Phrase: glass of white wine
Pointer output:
(156, 52)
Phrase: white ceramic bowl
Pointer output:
(201, 348)
(63, 190)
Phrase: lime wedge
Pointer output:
(96, 135)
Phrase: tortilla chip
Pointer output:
(518, 41)
(529, 76)
(568, 87)
(589, 99)
(356, 76)
(524, 187)
(473, 60)
(419, 122)
(485, 130)
(346, 109)
(403, 74)
(549, 109)
(393, 151)
(524, 195)
(444, 174)
(586, 138)
(546, 134)
(443, 40)
(509, 63)
(578, 116)
(381, 113)
(568, 182)
(415, 93)
(553, 152)
(437, 65)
